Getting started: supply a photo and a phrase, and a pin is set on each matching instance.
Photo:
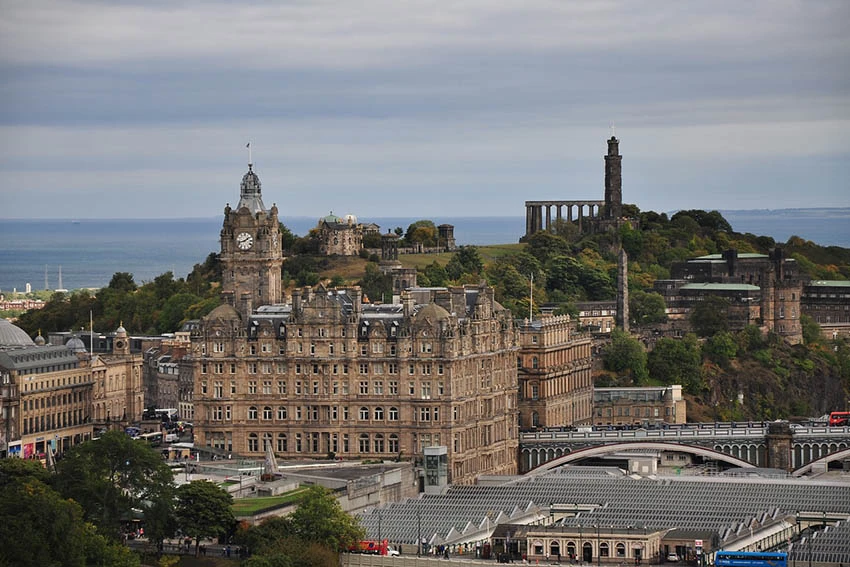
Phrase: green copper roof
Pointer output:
(722, 286)
(830, 283)
(741, 256)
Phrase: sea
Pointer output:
(85, 253)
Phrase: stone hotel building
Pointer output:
(326, 373)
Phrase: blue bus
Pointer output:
(750, 559)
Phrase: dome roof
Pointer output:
(39, 340)
(350, 219)
(13, 337)
(331, 218)
(250, 193)
(433, 312)
(121, 330)
(225, 312)
(76, 344)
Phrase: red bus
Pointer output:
(372, 547)
(838, 418)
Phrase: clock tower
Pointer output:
(251, 252)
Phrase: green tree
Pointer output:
(710, 316)
(287, 238)
(375, 285)
(626, 355)
(720, 348)
(646, 308)
(436, 274)
(466, 260)
(421, 232)
(110, 476)
(122, 281)
(544, 245)
(812, 333)
(320, 518)
(677, 361)
(203, 511)
(40, 528)
(174, 311)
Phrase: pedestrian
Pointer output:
(446, 553)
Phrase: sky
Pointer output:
(143, 109)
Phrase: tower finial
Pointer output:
(250, 161)
(613, 134)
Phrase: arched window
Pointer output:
(603, 549)
(393, 444)
(253, 442)
(379, 443)
(282, 443)
(379, 414)
(252, 412)
(535, 419)
(587, 551)
(392, 414)
(554, 549)
(267, 412)
(281, 412)
(364, 414)
(621, 550)
(571, 550)
(364, 443)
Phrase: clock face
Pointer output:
(244, 241)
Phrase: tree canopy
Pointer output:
(626, 355)
(311, 536)
(41, 528)
(203, 511)
(111, 476)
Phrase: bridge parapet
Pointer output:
(676, 435)
(775, 444)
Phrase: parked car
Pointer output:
(673, 557)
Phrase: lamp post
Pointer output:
(598, 555)
(418, 532)
(810, 548)
(379, 525)
(580, 544)
(794, 551)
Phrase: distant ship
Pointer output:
(75, 222)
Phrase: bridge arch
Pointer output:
(840, 455)
(587, 452)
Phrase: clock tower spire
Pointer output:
(251, 253)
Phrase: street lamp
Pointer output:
(794, 551)
(580, 544)
(418, 532)
(598, 555)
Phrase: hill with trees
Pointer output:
(563, 267)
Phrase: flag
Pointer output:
(249, 145)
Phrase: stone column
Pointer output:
(779, 439)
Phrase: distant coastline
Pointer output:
(90, 251)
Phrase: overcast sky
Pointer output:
(435, 109)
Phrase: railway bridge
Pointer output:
(794, 448)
